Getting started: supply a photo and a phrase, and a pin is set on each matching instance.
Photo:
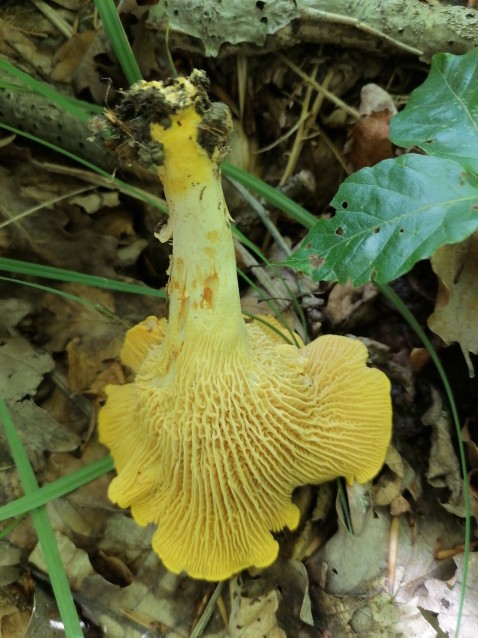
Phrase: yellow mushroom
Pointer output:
(224, 419)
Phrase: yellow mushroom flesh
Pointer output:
(224, 419)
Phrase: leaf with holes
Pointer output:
(388, 218)
(441, 116)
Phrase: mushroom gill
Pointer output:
(224, 419)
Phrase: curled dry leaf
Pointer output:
(398, 477)
(454, 317)
(370, 138)
(443, 466)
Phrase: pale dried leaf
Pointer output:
(93, 202)
(454, 317)
(397, 477)
(252, 617)
(75, 561)
(21, 368)
(68, 57)
(40, 432)
(443, 599)
(12, 311)
(443, 466)
(348, 305)
(374, 98)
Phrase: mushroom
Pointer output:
(224, 418)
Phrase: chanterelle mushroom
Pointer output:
(224, 419)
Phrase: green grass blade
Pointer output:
(62, 486)
(272, 306)
(131, 190)
(70, 276)
(270, 194)
(344, 504)
(410, 319)
(46, 537)
(118, 40)
(80, 109)
(68, 295)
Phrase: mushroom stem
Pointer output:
(202, 288)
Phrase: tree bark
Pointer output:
(411, 27)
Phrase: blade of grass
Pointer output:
(118, 40)
(270, 194)
(60, 274)
(131, 190)
(46, 537)
(398, 304)
(275, 310)
(82, 110)
(62, 486)
(68, 295)
(49, 202)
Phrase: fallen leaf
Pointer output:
(443, 466)
(21, 368)
(347, 305)
(12, 311)
(68, 57)
(13, 40)
(397, 477)
(252, 617)
(443, 599)
(39, 431)
(92, 339)
(454, 317)
(370, 140)
(75, 561)
(95, 201)
(13, 621)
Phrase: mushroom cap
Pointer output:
(210, 445)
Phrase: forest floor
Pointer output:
(400, 572)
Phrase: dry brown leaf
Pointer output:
(443, 466)
(252, 617)
(370, 140)
(92, 339)
(470, 438)
(68, 57)
(347, 305)
(397, 477)
(455, 314)
(13, 621)
(14, 44)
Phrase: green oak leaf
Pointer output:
(441, 116)
(389, 217)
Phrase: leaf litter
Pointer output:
(56, 357)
